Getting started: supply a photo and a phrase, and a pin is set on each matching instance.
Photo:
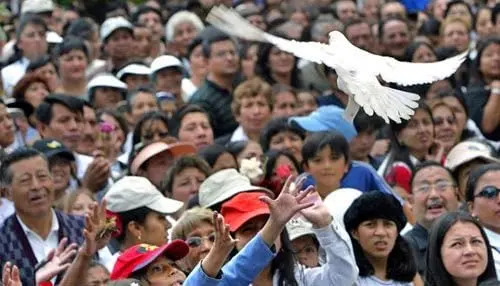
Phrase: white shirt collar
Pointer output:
(493, 237)
(239, 135)
(53, 228)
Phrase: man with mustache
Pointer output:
(60, 117)
(434, 193)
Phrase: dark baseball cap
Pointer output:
(51, 148)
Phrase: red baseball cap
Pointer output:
(140, 256)
(242, 208)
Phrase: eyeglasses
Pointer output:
(440, 120)
(151, 136)
(196, 241)
(440, 186)
(488, 192)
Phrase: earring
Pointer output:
(139, 237)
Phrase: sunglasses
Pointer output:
(488, 192)
(440, 120)
(195, 241)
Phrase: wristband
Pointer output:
(45, 283)
(495, 90)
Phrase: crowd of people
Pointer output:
(141, 146)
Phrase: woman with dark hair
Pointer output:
(30, 45)
(276, 66)
(430, 29)
(482, 23)
(245, 150)
(420, 52)
(482, 94)
(72, 58)
(191, 124)
(152, 127)
(483, 199)
(459, 252)
(198, 68)
(459, 8)
(285, 101)
(446, 132)
(278, 167)
(411, 143)
(46, 68)
(279, 134)
(374, 222)
(31, 88)
(218, 158)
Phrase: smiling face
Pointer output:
(418, 135)
(396, 38)
(377, 237)
(32, 187)
(464, 252)
(445, 126)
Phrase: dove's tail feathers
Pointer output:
(232, 23)
(402, 102)
(351, 109)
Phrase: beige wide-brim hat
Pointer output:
(153, 149)
(466, 152)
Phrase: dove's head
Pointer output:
(336, 36)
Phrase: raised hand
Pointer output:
(58, 261)
(318, 215)
(289, 202)
(96, 232)
(10, 275)
(222, 247)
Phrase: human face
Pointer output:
(487, 210)
(66, 126)
(143, 37)
(117, 136)
(163, 272)
(377, 237)
(484, 26)
(223, 59)
(169, 80)
(393, 9)
(197, 61)
(346, 10)
(248, 62)
(225, 161)
(6, 127)
(361, 145)
(464, 173)
(32, 188)
(258, 21)
(134, 81)
(489, 63)
(254, 114)
(361, 36)
(107, 97)
(287, 140)
(119, 45)
(153, 22)
(184, 33)
(281, 62)
(97, 276)
(285, 104)
(418, 135)
(60, 169)
(72, 66)
(460, 11)
(464, 253)
(187, 183)
(49, 73)
(445, 126)
(306, 103)
(456, 35)
(143, 103)
(155, 131)
(253, 150)
(206, 232)
(306, 251)
(154, 230)
(327, 169)
(248, 230)
(32, 42)
(82, 204)
(424, 54)
(434, 194)
(195, 128)
(90, 131)
(157, 166)
(396, 38)
(371, 10)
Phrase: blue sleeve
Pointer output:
(248, 263)
(197, 277)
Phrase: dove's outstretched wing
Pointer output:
(392, 70)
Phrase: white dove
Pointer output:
(358, 70)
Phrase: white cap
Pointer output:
(224, 185)
(299, 227)
(136, 69)
(37, 6)
(467, 151)
(106, 80)
(165, 61)
(339, 201)
(133, 192)
(53, 38)
(113, 24)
